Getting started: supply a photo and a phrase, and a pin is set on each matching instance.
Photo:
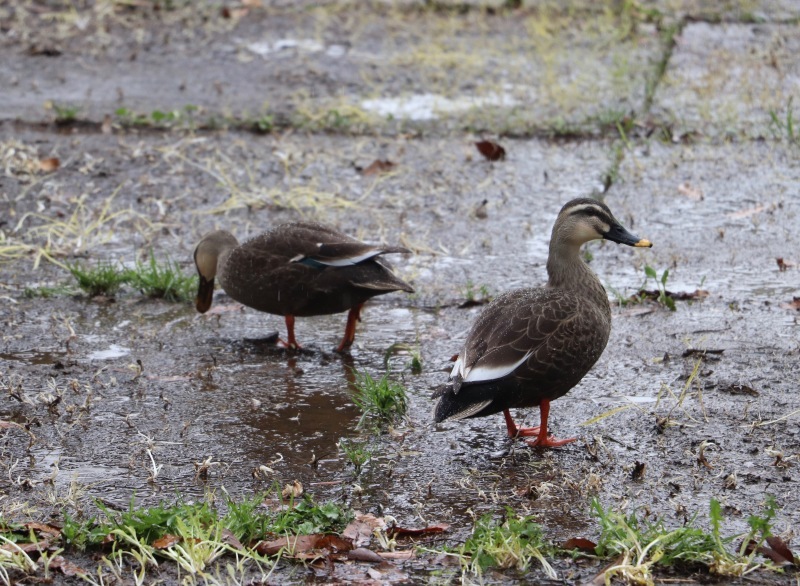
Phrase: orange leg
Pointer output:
(543, 441)
(514, 431)
(353, 316)
(291, 342)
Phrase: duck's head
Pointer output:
(213, 247)
(584, 219)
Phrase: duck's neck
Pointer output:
(567, 270)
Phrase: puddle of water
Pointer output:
(33, 357)
(431, 106)
(113, 351)
(268, 48)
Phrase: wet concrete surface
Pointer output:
(112, 388)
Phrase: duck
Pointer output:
(530, 346)
(297, 269)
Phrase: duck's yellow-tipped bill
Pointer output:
(644, 243)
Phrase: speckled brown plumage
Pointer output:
(297, 269)
(531, 346)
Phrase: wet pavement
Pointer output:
(130, 395)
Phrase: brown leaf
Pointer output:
(49, 165)
(581, 544)
(66, 567)
(229, 538)
(690, 191)
(747, 213)
(779, 546)
(302, 544)
(28, 548)
(106, 127)
(784, 264)
(401, 532)
(361, 554)
(397, 555)
(42, 529)
(491, 150)
(166, 541)
(379, 166)
(793, 304)
(293, 490)
(360, 530)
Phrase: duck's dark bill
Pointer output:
(205, 293)
(622, 236)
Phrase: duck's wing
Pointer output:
(517, 326)
(318, 245)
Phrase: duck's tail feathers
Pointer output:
(452, 406)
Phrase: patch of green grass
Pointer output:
(162, 281)
(661, 284)
(383, 400)
(47, 292)
(415, 364)
(358, 453)
(513, 542)
(639, 547)
(65, 114)
(784, 125)
(102, 279)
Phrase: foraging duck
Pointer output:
(297, 269)
(531, 346)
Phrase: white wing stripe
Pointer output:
(350, 260)
(487, 373)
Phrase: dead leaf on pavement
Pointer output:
(784, 264)
(397, 555)
(66, 567)
(491, 150)
(379, 166)
(42, 529)
(49, 165)
(690, 191)
(360, 530)
(747, 213)
(229, 538)
(793, 304)
(580, 543)
(430, 529)
(293, 490)
(166, 541)
(303, 545)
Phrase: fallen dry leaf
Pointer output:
(784, 264)
(49, 165)
(28, 548)
(747, 213)
(491, 150)
(379, 166)
(775, 549)
(66, 567)
(229, 538)
(360, 530)
(397, 555)
(690, 191)
(793, 304)
(580, 544)
(166, 541)
(304, 544)
(293, 490)
(430, 529)
(42, 529)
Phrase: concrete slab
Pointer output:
(333, 66)
(729, 79)
(728, 10)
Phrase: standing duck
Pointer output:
(531, 346)
(297, 269)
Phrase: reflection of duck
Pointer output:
(297, 269)
(531, 346)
